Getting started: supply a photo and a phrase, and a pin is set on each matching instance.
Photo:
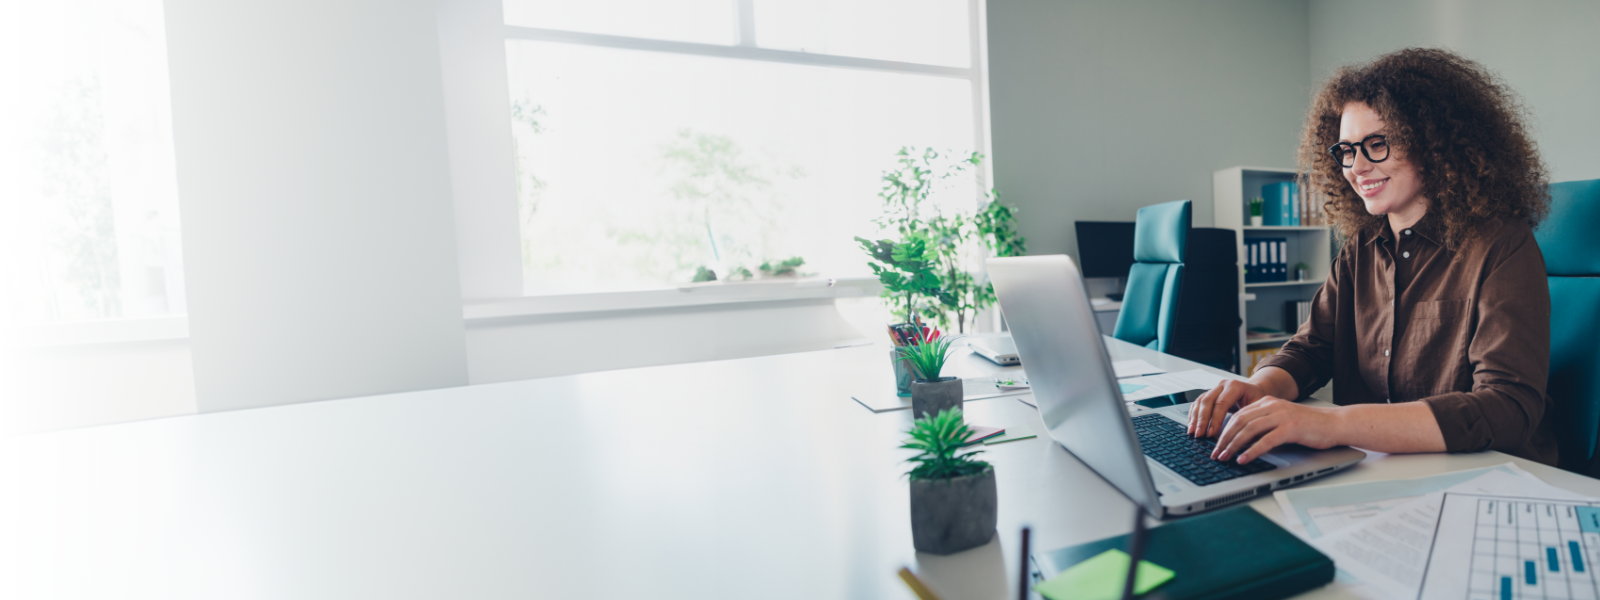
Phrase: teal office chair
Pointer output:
(1150, 301)
(1572, 262)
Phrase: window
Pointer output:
(88, 188)
(658, 141)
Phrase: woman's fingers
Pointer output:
(1197, 413)
(1277, 437)
(1244, 428)
(1232, 393)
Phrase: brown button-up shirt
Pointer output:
(1403, 319)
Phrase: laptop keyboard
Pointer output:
(1168, 442)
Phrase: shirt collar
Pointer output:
(1428, 227)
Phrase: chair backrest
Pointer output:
(1572, 261)
(1207, 329)
(1150, 301)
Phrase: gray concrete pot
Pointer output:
(929, 398)
(951, 515)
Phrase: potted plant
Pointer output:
(953, 498)
(935, 268)
(926, 354)
(1255, 211)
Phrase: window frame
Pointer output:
(746, 49)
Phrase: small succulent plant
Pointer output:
(939, 439)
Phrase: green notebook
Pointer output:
(1233, 553)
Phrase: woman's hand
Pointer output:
(1272, 422)
(1208, 412)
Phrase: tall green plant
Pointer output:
(906, 269)
(954, 241)
(937, 440)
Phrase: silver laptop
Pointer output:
(1143, 452)
(1000, 351)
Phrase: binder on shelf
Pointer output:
(1272, 252)
(1278, 206)
(1295, 314)
(1249, 261)
(1294, 199)
(1283, 259)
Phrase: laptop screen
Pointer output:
(1044, 304)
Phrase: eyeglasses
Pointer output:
(1374, 147)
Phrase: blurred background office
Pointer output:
(209, 206)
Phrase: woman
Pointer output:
(1434, 324)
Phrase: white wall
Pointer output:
(60, 387)
(315, 192)
(1544, 49)
(472, 53)
(1100, 107)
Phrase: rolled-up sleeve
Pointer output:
(1509, 354)
(1309, 355)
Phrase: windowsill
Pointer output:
(104, 331)
(113, 331)
(693, 294)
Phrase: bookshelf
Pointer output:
(1262, 304)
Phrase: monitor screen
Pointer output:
(1105, 248)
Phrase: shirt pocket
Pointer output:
(1437, 340)
(1439, 310)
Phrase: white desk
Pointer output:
(755, 477)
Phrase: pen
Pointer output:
(1135, 552)
(916, 585)
(1022, 578)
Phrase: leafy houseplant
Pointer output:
(927, 354)
(1255, 211)
(953, 496)
(929, 271)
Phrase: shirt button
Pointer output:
(1385, 352)
(1405, 254)
(1408, 232)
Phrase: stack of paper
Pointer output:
(1382, 535)
(1141, 388)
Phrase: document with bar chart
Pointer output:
(1509, 548)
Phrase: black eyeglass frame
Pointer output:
(1338, 157)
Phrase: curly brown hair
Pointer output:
(1453, 120)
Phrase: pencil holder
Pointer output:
(902, 373)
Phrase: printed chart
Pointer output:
(1520, 549)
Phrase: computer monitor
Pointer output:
(1105, 248)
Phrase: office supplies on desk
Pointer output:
(1146, 457)
(1473, 556)
(1136, 543)
(1022, 578)
(1000, 351)
(1015, 382)
(916, 585)
(1135, 368)
(1013, 433)
(1103, 578)
(1234, 553)
(1314, 512)
(1387, 556)
(885, 399)
(981, 433)
(1168, 384)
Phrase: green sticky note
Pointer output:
(1102, 578)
